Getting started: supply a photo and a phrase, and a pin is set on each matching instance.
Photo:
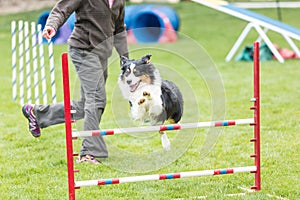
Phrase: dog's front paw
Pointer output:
(165, 142)
(147, 95)
(141, 101)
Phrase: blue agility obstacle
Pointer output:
(151, 23)
(260, 23)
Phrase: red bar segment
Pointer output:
(162, 176)
(101, 182)
(176, 175)
(115, 181)
(177, 126)
(95, 133)
(110, 132)
(163, 128)
(218, 123)
(231, 123)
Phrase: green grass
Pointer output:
(36, 168)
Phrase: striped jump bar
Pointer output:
(156, 177)
(161, 128)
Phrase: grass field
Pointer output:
(36, 168)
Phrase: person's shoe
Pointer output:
(34, 128)
(87, 158)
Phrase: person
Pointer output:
(98, 28)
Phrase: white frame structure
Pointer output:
(260, 23)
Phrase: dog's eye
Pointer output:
(127, 70)
(134, 70)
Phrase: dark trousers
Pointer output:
(92, 73)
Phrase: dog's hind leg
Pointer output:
(165, 141)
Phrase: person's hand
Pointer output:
(48, 32)
(123, 59)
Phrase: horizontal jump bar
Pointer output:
(156, 177)
(161, 128)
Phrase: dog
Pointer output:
(151, 99)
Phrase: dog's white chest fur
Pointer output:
(146, 103)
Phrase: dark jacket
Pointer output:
(97, 28)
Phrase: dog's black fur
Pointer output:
(172, 101)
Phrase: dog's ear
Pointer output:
(146, 59)
(124, 59)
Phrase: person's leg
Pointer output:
(52, 114)
(92, 74)
(48, 115)
(42, 116)
(92, 77)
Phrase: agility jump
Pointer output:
(255, 122)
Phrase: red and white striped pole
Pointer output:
(68, 126)
(169, 127)
(157, 177)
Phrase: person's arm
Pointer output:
(120, 35)
(59, 15)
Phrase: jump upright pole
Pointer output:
(68, 126)
(256, 108)
(255, 121)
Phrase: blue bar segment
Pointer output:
(169, 176)
(103, 132)
(170, 127)
(225, 123)
(108, 181)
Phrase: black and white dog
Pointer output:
(151, 99)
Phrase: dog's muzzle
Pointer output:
(134, 86)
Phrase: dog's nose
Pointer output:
(129, 82)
